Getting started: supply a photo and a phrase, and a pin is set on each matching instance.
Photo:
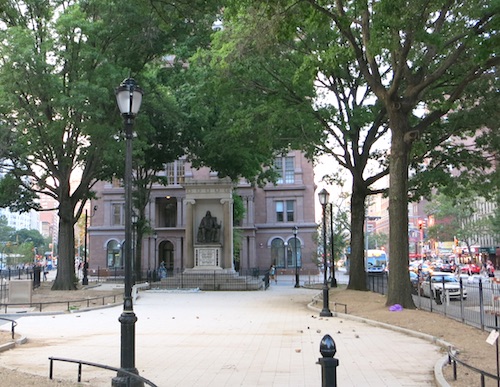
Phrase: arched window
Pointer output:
(278, 252)
(114, 254)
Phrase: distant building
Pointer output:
(26, 220)
(265, 233)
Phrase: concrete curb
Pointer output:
(438, 367)
(12, 344)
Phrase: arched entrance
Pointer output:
(166, 255)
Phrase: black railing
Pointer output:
(453, 360)
(477, 305)
(127, 374)
(249, 279)
(70, 305)
(11, 274)
(13, 325)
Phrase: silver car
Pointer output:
(434, 283)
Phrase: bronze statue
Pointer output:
(209, 230)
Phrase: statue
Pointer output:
(209, 230)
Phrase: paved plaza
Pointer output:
(258, 338)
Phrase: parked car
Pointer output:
(470, 269)
(433, 284)
(445, 267)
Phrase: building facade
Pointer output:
(265, 233)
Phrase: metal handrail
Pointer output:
(13, 324)
(40, 304)
(128, 374)
(452, 359)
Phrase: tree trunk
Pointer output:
(357, 275)
(399, 291)
(66, 278)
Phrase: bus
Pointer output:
(376, 261)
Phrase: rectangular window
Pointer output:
(278, 166)
(117, 218)
(289, 170)
(290, 211)
(285, 211)
(279, 212)
(284, 167)
(175, 172)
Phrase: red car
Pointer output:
(470, 269)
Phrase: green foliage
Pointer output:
(392, 64)
(60, 65)
(22, 191)
(6, 232)
(455, 217)
(238, 208)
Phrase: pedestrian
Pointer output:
(490, 269)
(162, 270)
(272, 274)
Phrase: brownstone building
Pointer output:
(265, 233)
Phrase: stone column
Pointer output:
(227, 239)
(189, 264)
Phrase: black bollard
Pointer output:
(328, 363)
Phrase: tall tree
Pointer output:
(420, 62)
(262, 89)
(60, 63)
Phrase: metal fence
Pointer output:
(479, 309)
(249, 279)
(11, 274)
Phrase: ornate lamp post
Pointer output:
(85, 279)
(332, 236)
(323, 199)
(295, 230)
(129, 98)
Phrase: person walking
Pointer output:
(272, 274)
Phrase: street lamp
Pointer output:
(295, 230)
(332, 236)
(85, 279)
(129, 98)
(323, 196)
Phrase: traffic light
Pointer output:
(420, 224)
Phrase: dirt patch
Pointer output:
(469, 341)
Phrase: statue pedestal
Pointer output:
(207, 257)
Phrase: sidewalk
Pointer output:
(262, 338)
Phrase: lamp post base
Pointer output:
(127, 320)
(325, 312)
(122, 380)
(297, 281)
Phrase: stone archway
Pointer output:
(166, 255)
